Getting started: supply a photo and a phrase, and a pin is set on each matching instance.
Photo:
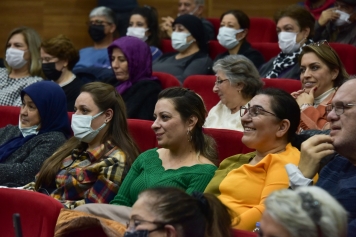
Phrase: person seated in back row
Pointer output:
(43, 127)
(192, 56)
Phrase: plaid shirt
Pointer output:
(90, 176)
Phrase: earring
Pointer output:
(190, 136)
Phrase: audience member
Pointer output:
(131, 62)
(191, 7)
(316, 7)
(144, 25)
(58, 57)
(322, 72)
(101, 28)
(243, 182)
(185, 160)
(295, 27)
(305, 212)
(237, 81)
(23, 65)
(90, 167)
(43, 127)
(234, 27)
(192, 57)
(199, 215)
(338, 24)
(338, 177)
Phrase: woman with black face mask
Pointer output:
(58, 56)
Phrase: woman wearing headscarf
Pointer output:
(131, 61)
(43, 127)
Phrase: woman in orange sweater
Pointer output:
(244, 181)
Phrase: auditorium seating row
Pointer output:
(347, 53)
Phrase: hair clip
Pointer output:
(311, 206)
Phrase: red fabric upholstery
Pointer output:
(167, 80)
(262, 30)
(288, 85)
(228, 142)
(166, 46)
(268, 50)
(347, 54)
(216, 23)
(38, 212)
(142, 133)
(243, 233)
(215, 48)
(203, 85)
(9, 115)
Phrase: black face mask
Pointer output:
(137, 233)
(96, 32)
(50, 71)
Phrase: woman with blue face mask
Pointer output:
(144, 25)
(43, 127)
(234, 27)
(22, 62)
(295, 28)
(192, 57)
(90, 167)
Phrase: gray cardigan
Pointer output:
(21, 166)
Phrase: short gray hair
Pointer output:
(285, 207)
(199, 2)
(240, 70)
(105, 12)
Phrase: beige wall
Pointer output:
(53, 17)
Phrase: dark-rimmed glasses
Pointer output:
(254, 111)
(133, 223)
(339, 108)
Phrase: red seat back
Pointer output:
(9, 115)
(287, 85)
(166, 46)
(38, 212)
(347, 54)
(262, 30)
(167, 80)
(203, 85)
(215, 48)
(142, 133)
(216, 24)
(243, 233)
(268, 50)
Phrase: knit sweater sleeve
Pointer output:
(198, 182)
(313, 118)
(21, 166)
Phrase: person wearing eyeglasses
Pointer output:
(338, 24)
(304, 212)
(237, 81)
(295, 28)
(58, 56)
(243, 182)
(321, 74)
(101, 29)
(338, 175)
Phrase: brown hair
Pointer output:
(303, 17)
(33, 41)
(105, 97)
(188, 104)
(200, 215)
(241, 17)
(328, 55)
(62, 48)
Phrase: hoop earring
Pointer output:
(189, 135)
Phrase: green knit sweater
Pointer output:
(147, 172)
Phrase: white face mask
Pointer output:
(287, 42)
(28, 131)
(179, 41)
(227, 37)
(14, 58)
(81, 126)
(343, 19)
(137, 32)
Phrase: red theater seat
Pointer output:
(167, 80)
(268, 50)
(262, 30)
(216, 24)
(166, 46)
(215, 48)
(142, 133)
(243, 233)
(38, 212)
(287, 85)
(347, 54)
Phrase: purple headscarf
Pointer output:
(139, 59)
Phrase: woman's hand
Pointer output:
(297, 93)
(306, 98)
(166, 25)
(328, 15)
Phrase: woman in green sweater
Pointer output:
(186, 158)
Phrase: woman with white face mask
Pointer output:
(234, 26)
(192, 57)
(144, 25)
(22, 62)
(338, 24)
(90, 167)
(295, 28)
(43, 127)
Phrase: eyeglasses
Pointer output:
(339, 108)
(219, 81)
(47, 59)
(253, 111)
(321, 42)
(133, 223)
(98, 22)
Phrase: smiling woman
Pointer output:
(243, 181)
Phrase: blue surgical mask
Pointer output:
(179, 41)
(81, 126)
(28, 131)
